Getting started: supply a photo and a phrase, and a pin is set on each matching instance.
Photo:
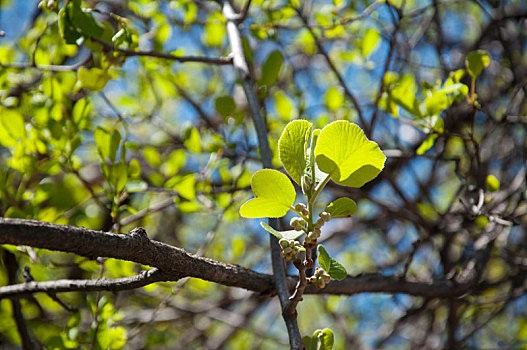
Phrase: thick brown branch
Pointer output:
(175, 263)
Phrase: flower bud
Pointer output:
(298, 227)
(284, 243)
(300, 207)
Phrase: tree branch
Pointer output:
(174, 263)
(242, 71)
(181, 59)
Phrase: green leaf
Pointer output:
(192, 140)
(274, 194)
(291, 234)
(427, 144)
(324, 339)
(492, 183)
(114, 144)
(225, 106)
(271, 68)
(292, 148)
(476, 61)
(370, 42)
(342, 208)
(214, 33)
(309, 343)
(186, 186)
(152, 156)
(66, 28)
(334, 98)
(120, 176)
(344, 152)
(81, 110)
(94, 79)
(335, 269)
(102, 139)
(12, 127)
(284, 106)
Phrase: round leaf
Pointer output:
(274, 194)
(344, 152)
(342, 207)
(476, 61)
(292, 148)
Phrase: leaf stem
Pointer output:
(319, 188)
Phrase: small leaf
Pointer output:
(192, 140)
(492, 183)
(309, 343)
(271, 68)
(291, 234)
(427, 144)
(120, 176)
(476, 61)
(370, 42)
(102, 140)
(344, 152)
(284, 106)
(292, 150)
(342, 207)
(94, 79)
(274, 194)
(114, 144)
(324, 339)
(334, 98)
(225, 106)
(335, 269)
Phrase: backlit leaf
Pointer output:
(342, 207)
(274, 194)
(292, 150)
(344, 152)
(335, 269)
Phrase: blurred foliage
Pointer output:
(96, 136)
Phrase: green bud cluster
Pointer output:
(298, 223)
(320, 278)
(301, 208)
(290, 249)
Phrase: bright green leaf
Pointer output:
(291, 148)
(274, 194)
(192, 140)
(476, 61)
(152, 156)
(120, 176)
(344, 152)
(271, 68)
(342, 207)
(370, 42)
(103, 141)
(492, 183)
(94, 79)
(334, 98)
(12, 127)
(324, 339)
(284, 106)
(427, 144)
(335, 269)
(81, 110)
